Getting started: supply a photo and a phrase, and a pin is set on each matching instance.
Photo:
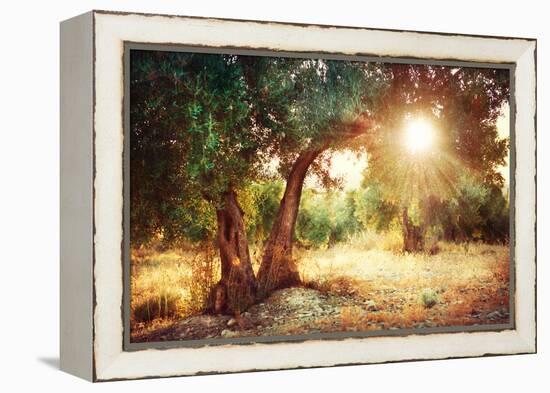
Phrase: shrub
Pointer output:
(429, 298)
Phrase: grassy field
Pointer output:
(462, 284)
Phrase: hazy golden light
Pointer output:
(419, 136)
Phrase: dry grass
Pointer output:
(458, 286)
(170, 285)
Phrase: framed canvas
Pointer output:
(246, 195)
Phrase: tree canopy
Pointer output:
(204, 123)
(191, 137)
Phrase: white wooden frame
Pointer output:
(92, 47)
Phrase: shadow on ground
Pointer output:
(52, 362)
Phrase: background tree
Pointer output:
(372, 210)
(326, 218)
(463, 105)
(261, 205)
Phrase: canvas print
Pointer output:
(287, 196)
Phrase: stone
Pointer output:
(370, 305)
(231, 322)
(228, 333)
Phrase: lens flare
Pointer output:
(419, 136)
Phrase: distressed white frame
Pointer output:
(110, 32)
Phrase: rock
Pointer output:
(228, 333)
(370, 305)
(494, 315)
(231, 322)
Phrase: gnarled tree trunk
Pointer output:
(278, 269)
(236, 290)
(413, 235)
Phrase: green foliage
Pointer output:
(478, 212)
(314, 104)
(373, 211)
(496, 211)
(325, 219)
(194, 219)
(467, 206)
(190, 139)
(202, 124)
(313, 226)
(345, 222)
(262, 208)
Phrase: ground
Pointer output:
(353, 289)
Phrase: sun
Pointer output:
(419, 136)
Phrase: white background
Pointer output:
(29, 196)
